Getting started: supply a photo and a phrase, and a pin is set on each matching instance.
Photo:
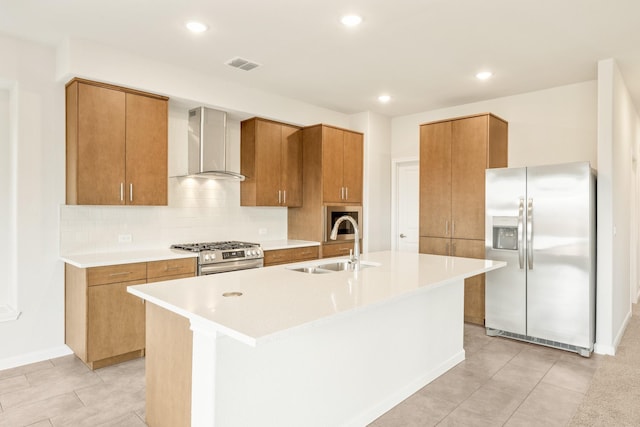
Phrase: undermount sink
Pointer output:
(343, 265)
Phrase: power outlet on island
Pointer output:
(124, 238)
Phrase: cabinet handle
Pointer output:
(446, 228)
(453, 246)
(131, 192)
(446, 249)
(122, 191)
(284, 197)
(341, 193)
(279, 197)
(172, 268)
(453, 228)
(346, 193)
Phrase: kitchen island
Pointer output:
(275, 346)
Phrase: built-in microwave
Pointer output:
(346, 230)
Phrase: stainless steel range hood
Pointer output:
(208, 145)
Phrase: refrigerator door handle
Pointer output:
(521, 234)
(530, 233)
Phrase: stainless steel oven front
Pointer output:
(346, 230)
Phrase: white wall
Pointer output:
(555, 125)
(377, 179)
(618, 125)
(38, 165)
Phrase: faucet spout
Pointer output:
(355, 258)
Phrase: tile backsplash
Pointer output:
(199, 210)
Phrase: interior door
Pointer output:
(407, 206)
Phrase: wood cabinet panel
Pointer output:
(115, 320)
(168, 368)
(116, 145)
(284, 256)
(100, 145)
(468, 164)
(291, 171)
(332, 164)
(146, 150)
(116, 273)
(271, 161)
(474, 287)
(353, 167)
(435, 245)
(338, 249)
(435, 180)
(173, 267)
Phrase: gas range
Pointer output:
(220, 257)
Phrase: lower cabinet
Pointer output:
(330, 250)
(104, 324)
(473, 286)
(285, 256)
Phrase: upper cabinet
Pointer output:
(342, 157)
(271, 161)
(116, 145)
(453, 157)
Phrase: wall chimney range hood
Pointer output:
(207, 142)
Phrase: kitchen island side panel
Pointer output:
(348, 371)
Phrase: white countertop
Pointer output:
(101, 259)
(270, 245)
(276, 299)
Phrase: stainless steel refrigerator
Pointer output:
(541, 221)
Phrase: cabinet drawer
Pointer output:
(278, 256)
(306, 253)
(339, 249)
(171, 267)
(116, 273)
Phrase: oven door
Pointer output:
(223, 267)
(345, 229)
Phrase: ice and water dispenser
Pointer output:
(505, 232)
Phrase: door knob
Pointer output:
(402, 235)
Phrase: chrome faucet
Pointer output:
(354, 259)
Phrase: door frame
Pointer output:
(396, 163)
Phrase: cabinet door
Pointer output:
(468, 164)
(435, 180)
(435, 246)
(115, 321)
(268, 163)
(332, 164)
(101, 145)
(291, 176)
(473, 286)
(278, 256)
(146, 150)
(352, 167)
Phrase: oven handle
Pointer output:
(223, 267)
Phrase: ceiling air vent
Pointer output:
(242, 63)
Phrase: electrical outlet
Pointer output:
(262, 231)
(124, 238)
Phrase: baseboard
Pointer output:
(393, 400)
(33, 357)
(610, 350)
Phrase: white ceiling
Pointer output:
(424, 53)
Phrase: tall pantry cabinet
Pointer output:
(454, 155)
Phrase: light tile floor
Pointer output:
(501, 382)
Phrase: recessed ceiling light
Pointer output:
(351, 20)
(196, 27)
(484, 75)
(384, 98)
